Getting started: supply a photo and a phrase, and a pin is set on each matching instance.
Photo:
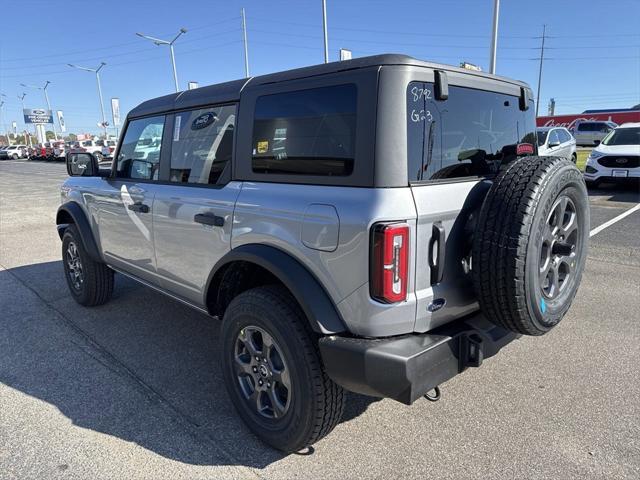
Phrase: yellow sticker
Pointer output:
(263, 146)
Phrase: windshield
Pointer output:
(542, 136)
(623, 136)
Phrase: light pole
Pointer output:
(46, 98)
(494, 37)
(2, 102)
(21, 97)
(97, 72)
(158, 41)
(244, 41)
(324, 27)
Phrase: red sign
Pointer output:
(568, 121)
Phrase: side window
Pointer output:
(564, 136)
(139, 156)
(584, 127)
(202, 144)
(554, 138)
(306, 132)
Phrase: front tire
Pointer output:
(90, 282)
(273, 372)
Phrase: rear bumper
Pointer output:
(406, 367)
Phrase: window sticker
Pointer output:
(176, 128)
(203, 121)
(263, 146)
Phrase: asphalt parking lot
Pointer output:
(133, 389)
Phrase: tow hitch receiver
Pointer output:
(407, 367)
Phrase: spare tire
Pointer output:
(530, 244)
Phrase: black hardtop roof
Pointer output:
(230, 91)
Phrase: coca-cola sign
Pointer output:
(569, 121)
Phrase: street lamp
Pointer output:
(46, 97)
(158, 41)
(97, 72)
(21, 98)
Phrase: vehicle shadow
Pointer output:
(622, 192)
(142, 368)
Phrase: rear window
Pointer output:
(87, 143)
(470, 134)
(306, 132)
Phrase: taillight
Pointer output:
(389, 262)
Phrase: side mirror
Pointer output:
(82, 164)
(554, 144)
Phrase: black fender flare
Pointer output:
(315, 302)
(75, 211)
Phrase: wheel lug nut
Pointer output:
(268, 384)
(255, 369)
(257, 359)
(260, 382)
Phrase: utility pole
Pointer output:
(97, 72)
(244, 40)
(324, 26)
(159, 41)
(21, 97)
(544, 31)
(46, 98)
(494, 37)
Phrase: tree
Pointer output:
(49, 135)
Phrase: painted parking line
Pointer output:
(600, 228)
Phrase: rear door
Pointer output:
(453, 145)
(193, 211)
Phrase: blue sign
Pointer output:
(37, 115)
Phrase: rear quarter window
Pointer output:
(306, 132)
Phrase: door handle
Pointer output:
(436, 257)
(138, 207)
(209, 218)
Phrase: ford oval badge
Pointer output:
(203, 121)
(436, 305)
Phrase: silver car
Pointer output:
(376, 225)
(556, 142)
(590, 133)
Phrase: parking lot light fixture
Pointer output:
(97, 72)
(46, 98)
(159, 41)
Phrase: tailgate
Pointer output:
(443, 286)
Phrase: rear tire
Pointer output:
(298, 407)
(90, 282)
(530, 246)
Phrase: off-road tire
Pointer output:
(509, 240)
(317, 403)
(97, 284)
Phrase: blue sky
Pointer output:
(593, 49)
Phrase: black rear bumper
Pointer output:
(406, 367)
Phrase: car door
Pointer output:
(126, 202)
(193, 212)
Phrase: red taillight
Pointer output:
(389, 263)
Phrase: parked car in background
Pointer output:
(556, 142)
(591, 133)
(59, 150)
(13, 152)
(91, 146)
(617, 157)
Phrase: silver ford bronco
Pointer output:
(376, 225)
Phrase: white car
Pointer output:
(556, 142)
(14, 152)
(617, 157)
